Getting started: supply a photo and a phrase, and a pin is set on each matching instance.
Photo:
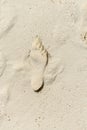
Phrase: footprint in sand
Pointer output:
(38, 62)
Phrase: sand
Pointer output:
(62, 103)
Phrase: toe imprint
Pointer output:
(37, 44)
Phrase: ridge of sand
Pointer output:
(7, 17)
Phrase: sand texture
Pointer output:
(43, 80)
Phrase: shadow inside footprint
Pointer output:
(39, 88)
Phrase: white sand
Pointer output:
(62, 103)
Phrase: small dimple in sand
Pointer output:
(84, 37)
(38, 62)
(83, 22)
